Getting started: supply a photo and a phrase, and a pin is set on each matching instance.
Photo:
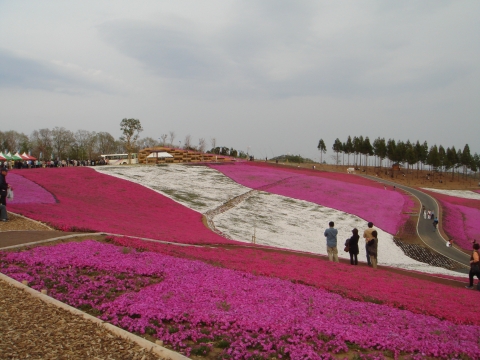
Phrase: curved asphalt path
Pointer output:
(433, 239)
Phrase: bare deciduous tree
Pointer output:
(105, 143)
(42, 143)
(201, 145)
(164, 139)
(172, 137)
(147, 142)
(62, 139)
(83, 144)
(187, 142)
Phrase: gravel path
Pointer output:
(32, 329)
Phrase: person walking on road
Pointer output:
(429, 214)
(353, 247)
(331, 236)
(474, 265)
(435, 224)
(373, 249)
(367, 235)
(424, 210)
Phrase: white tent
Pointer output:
(161, 154)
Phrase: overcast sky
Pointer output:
(272, 76)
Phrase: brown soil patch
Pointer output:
(17, 222)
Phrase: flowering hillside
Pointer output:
(275, 220)
(91, 201)
(196, 307)
(349, 193)
(461, 218)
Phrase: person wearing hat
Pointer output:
(4, 186)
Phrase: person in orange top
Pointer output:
(474, 265)
(367, 235)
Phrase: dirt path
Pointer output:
(32, 329)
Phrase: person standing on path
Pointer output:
(3, 213)
(429, 214)
(367, 235)
(424, 210)
(474, 265)
(373, 249)
(331, 235)
(4, 186)
(435, 224)
(353, 247)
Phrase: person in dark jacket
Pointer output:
(474, 262)
(353, 247)
(3, 187)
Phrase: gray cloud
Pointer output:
(272, 49)
(21, 72)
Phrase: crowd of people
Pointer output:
(32, 164)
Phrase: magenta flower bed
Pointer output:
(249, 316)
(349, 193)
(26, 191)
(90, 201)
(357, 283)
(461, 218)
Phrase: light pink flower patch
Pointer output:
(349, 193)
(26, 191)
(90, 201)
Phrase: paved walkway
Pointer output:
(433, 239)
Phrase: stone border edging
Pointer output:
(144, 343)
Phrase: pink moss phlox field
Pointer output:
(27, 191)
(83, 279)
(193, 301)
(90, 201)
(349, 193)
(461, 218)
(357, 283)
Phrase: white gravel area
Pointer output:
(200, 188)
(465, 194)
(277, 221)
(283, 222)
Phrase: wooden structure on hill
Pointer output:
(157, 155)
